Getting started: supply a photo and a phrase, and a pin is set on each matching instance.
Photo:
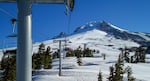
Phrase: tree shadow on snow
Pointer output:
(89, 64)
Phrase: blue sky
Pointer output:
(49, 20)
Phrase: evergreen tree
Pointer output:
(132, 59)
(104, 56)
(78, 52)
(119, 69)
(122, 51)
(88, 52)
(100, 78)
(48, 59)
(4, 62)
(41, 55)
(70, 53)
(55, 55)
(126, 56)
(111, 75)
(41, 48)
(140, 55)
(129, 74)
(97, 51)
(79, 61)
(34, 61)
(42, 59)
(137, 54)
(94, 51)
(9, 73)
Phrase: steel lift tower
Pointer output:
(24, 41)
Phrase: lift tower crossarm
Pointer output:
(48, 1)
(39, 1)
(6, 1)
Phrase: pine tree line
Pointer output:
(79, 53)
(8, 65)
(87, 52)
(42, 59)
(117, 71)
(139, 56)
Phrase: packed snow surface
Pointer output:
(88, 71)
(91, 66)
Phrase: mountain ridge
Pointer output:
(117, 32)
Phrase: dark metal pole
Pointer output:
(60, 51)
(84, 50)
(24, 44)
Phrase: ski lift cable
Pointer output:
(7, 13)
(68, 28)
(69, 24)
(13, 20)
(69, 4)
(69, 8)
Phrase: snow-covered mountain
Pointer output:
(111, 30)
(101, 36)
(98, 35)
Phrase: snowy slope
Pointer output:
(112, 30)
(143, 35)
(115, 31)
(95, 39)
(1, 54)
(101, 36)
(89, 70)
